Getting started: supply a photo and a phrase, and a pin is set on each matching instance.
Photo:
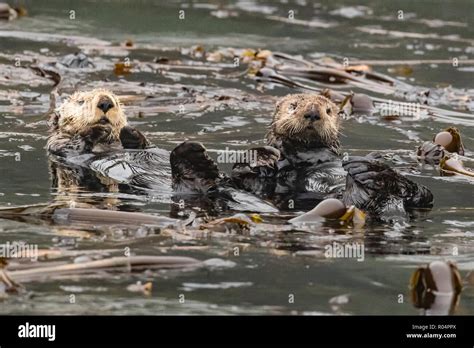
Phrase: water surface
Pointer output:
(271, 265)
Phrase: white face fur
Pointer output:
(83, 110)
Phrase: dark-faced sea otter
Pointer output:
(305, 129)
(301, 164)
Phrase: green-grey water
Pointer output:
(272, 266)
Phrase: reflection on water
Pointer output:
(183, 83)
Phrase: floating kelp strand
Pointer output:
(298, 60)
(272, 76)
(59, 213)
(121, 263)
(335, 76)
(98, 216)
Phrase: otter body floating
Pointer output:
(196, 179)
(91, 141)
(305, 130)
(300, 164)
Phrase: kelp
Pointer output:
(262, 65)
(60, 213)
(112, 264)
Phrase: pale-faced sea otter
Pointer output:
(91, 142)
(91, 122)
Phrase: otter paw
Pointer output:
(190, 161)
(132, 138)
(259, 161)
(370, 174)
(97, 133)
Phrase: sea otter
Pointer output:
(305, 129)
(301, 160)
(92, 147)
(91, 122)
(301, 165)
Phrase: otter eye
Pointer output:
(292, 106)
(328, 111)
(80, 102)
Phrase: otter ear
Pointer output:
(53, 120)
(278, 106)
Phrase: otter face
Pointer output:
(307, 118)
(86, 109)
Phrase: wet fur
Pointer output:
(76, 125)
(289, 125)
(198, 183)
(374, 187)
(80, 127)
(310, 169)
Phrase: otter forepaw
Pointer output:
(260, 161)
(97, 133)
(364, 171)
(132, 138)
(192, 169)
(257, 172)
(369, 180)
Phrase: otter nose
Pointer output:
(312, 115)
(105, 104)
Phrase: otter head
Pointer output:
(87, 109)
(310, 119)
